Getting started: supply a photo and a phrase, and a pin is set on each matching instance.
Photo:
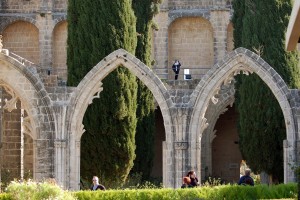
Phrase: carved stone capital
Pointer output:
(60, 144)
(39, 143)
(180, 145)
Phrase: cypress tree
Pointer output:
(143, 163)
(96, 28)
(260, 26)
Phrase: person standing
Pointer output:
(176, 68)
(96, 185)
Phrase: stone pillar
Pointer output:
(74, 177)
(220, 20)
(60, 142)
(45, 21)
(60, 147)
(198, 168)
(43, 159)
(168, 160)
(289, 160)
(181, 164)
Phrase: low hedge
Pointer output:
(5, 196)
(218, 192)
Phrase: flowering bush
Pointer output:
(46, 190)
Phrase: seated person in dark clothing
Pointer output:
(186, 183)
(194, 180)
(246, 179)
(96, 185)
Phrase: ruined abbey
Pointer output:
(41, 117)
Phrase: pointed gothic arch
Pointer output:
(91, 86)
(26, 86)
(222, 73)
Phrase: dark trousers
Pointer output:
(176, 73)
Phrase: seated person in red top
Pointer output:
(96, 185)
(194, 180)
(246, 179)
(186, 182)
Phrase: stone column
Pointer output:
(74, 165)
(43, 159)
(60, 165)
(60, 141)
(198, 167)
(289, 157)
(181, 169)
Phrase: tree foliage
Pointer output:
(95, 29)
(144, 11)
(260, 26)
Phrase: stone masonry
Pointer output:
(198, 33)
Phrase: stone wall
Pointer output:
(11, 141)
(196, 4)
(226, 156)
(31, 6)
(191, 42)
(198, 33)
(22, 38)
(14, 6)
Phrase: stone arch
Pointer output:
(90, 88)
(191, 40)
(6, 21)
(59, 19)
(241, 60)
(59, 50)
(175, 14)
(212, 115)
(28, 88)
(26, 35)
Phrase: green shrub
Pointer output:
(220, 192)
(212, 181)
(134, 181)
(45, 191)
(35, 191)
(5, 196)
